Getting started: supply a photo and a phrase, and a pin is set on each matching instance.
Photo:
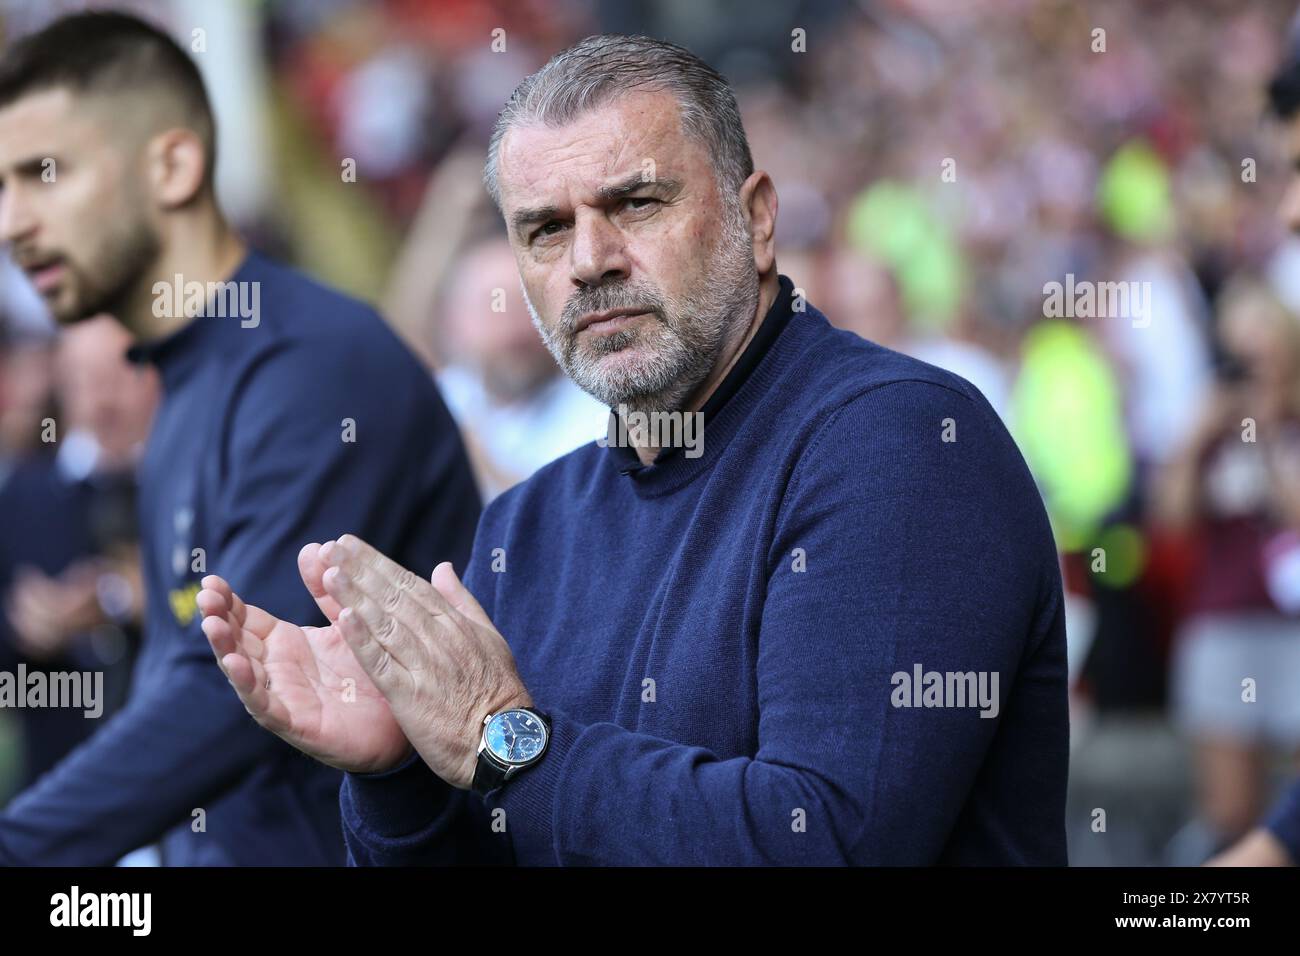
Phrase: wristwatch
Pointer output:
(512, 740)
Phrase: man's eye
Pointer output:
(550, 229)
(639, 202)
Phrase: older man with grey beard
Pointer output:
(765, 653)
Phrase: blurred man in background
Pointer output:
(26, 388)
(288, 412)
(516, 409)
(69, 558)
(1269, 378)
(864, 297)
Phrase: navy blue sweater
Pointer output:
(716, 638)
(1283, 822)
(249, 459)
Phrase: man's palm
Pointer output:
(302, 683)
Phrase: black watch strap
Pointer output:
(488, 774)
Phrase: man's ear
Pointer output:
(758, 200)
(177, 166)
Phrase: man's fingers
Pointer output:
(250, 617)
(238, 653)
(378, 623)
(356, 556)
(405, 596)
(373, 622)
(237, 666)
(312, 567)
(239, 671)
(386, 581)
(214, 582)
(451, 587)
(218, 632)
(212, 603)
(374, 658)
(231, 627)
(218, 619)
(353, 545)
(249, 679)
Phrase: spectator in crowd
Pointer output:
(69, 558)
(26, 390)
(1237, 485)
(1276, 842)
(864, 297)
(516, 410)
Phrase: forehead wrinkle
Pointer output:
(609, 148)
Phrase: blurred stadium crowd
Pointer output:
(937, 164)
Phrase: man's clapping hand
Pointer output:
(404, 663)
(302, 683)
(429, 648)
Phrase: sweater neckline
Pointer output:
(178, 353)
(721, 414)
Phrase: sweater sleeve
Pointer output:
(185, 738)
(408, 816)
(918, 552)
(168, 752)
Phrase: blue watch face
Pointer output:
(515, 736)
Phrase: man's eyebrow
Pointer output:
(526, 217)
(30, 165)
(634, 182)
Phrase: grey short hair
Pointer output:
(602, 68)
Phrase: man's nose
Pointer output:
(598, 251)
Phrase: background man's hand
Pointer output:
(430, 649)
(302, 683)
(47, 613)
